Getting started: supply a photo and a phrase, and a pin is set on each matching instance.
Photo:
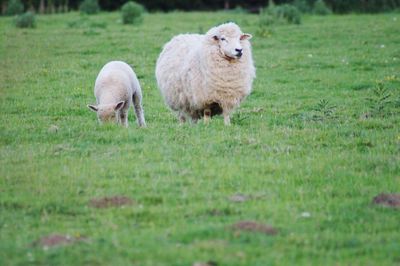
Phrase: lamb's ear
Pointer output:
(93, 107)
(119, 106)
(245, 36)
(215, 37)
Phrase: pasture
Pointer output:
(306, 153)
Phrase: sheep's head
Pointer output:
(108, 112)
(230, 40)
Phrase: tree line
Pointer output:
(337, 6)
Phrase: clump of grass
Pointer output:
(82, 22)
(201, 29)
(264, 32)
(26, 20)
(15, 7)
(89, 7)
(323, 110)
(320, 8)
(379, 101)
(132, 13)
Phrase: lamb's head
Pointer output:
(229, 39)
(108, 112)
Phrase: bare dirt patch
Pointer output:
(208, 263)
(252, 226)
(222, 212)
(246, 197)
(55, 240)
(108, 202)
(239, 198)
(388, 200)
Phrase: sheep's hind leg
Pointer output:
(124, 118)
(207, 115)
(137, 105)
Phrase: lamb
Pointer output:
(206, 75)
(116, 87)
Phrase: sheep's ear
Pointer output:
(93, 107)
(215, 37)
(245, 36)
(119, 106)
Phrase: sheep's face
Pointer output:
(231, 46)
(108, 113)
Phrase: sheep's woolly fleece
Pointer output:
(197, 72)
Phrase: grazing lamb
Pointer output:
(115, 88)
(206, 75)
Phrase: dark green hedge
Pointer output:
(338, 6)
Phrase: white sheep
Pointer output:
(115, 89)
(206, 75)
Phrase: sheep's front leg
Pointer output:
(124, 118)
(207, 115)
(227, 119)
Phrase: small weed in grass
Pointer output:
(379, 101)
(324, 110)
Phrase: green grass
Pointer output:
(316, 135)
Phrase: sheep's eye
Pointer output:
(223, 39)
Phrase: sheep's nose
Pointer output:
(239, 52)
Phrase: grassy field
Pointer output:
(308, 150)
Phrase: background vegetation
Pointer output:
(308, 150)
(338, 6)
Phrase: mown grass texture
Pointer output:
(312, 145)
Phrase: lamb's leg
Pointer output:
(137, 105)
(207, 115)
(124, 118)
(227, 118)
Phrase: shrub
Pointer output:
(15, 7)
(302, 5)
(89, 7)
(26, 20)
(320, 8)
(289, 13)
(237, 10)
(132, 13)
(279, 15)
